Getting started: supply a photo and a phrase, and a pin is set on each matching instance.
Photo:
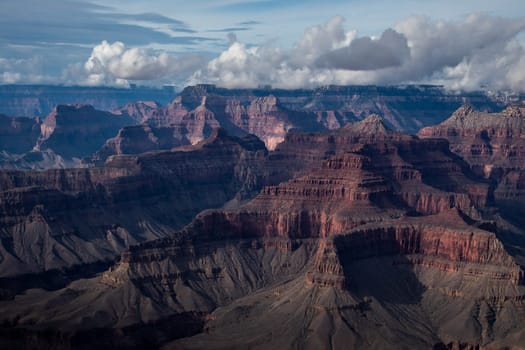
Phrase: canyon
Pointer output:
(355, 235)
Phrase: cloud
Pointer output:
(22, 70)
(10, 78)
(229, 29)
(232, 38)
(114, 63)
(441, 49)
(242, 66)
(248, 23)
(82, 22)
(320, 39)
(365, 53)
(480, 50)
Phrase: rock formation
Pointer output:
(191, 116)
(18, 134)
(271, 114)
(490, 142)
(77, 130)
(140, 139)
(140, 111)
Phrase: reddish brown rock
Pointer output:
(489, 142)
(270, 114)
(140, 111)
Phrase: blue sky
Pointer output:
(114, 42)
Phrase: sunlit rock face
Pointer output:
(271, 113)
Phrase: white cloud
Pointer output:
(441, 50)
(242, 66)
(22, 70)
(480, 50)
(114, 63)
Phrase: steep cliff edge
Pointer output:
(488, 141)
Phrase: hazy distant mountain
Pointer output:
(39, 100)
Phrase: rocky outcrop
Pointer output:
(199, 113)
(269, 114)
(140, 111)
(371, 177)
(488, 141)
(140, 139)
(78, 131)
(405, 108)
(493, 145)
(18, 134)
(434, 245)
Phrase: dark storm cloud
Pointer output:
(365, 53)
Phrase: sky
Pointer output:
(460, 44)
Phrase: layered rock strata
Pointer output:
(60, 218)
(493, 145)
